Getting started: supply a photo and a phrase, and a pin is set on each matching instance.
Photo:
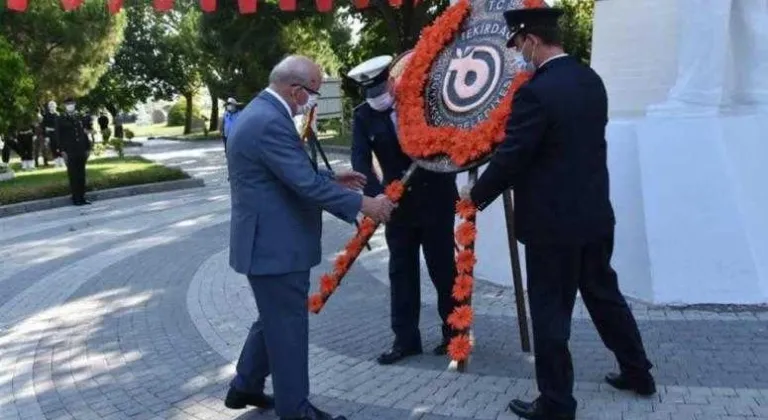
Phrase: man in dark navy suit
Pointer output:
(424, 217)
(554, 156)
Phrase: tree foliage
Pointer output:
(17, 103)
(242, 49)
(140, 69)
(386, 30)
(576, 25)
(65, 52)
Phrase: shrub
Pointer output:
(178, 112)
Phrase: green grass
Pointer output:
(101, 173)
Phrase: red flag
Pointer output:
(17, 5)
(288, 5)
(247, 6)
(114, 6)
(163, 5)
(70, 5)
(324, 5)
(361, 4)
(208, 6)
(396, 3)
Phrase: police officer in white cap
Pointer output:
(230, 116)
(424, 217)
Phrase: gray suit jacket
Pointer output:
(277, 196)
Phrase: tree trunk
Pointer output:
(213, 125)
(188, 117)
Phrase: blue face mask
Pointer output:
(527, 63)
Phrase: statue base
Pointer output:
(691, 205)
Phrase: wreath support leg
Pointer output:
(517, 277)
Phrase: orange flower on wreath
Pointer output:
(460, 347)
(316, 303)
(328, 284)
(461, 317)
(394, 191)
(355, 245)
(465, 261)
(462, 287)
(466, 234)
(367, 227)
(343, 261)
(466, 209)
(417, 137)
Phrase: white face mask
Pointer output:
(70, 107)
(304, 109)
(382, 102)
(231, 108)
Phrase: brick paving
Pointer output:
(127, 310)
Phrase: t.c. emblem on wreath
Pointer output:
(471, 76)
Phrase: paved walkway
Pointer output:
(127, 310)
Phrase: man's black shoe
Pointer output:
(536, 411)
(640, 384)
(237, 400)
(396, 354)
(315, 414)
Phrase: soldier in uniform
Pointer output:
(424, 218)
(554, 156)
(25, 138)
(72, 131)
(49, 131)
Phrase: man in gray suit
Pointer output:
(277, 203)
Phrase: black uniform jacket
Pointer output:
(430, 197)
(554, 156)
(71, 135)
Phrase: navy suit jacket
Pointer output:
(554, 156)
(431, 196)
(277, 196)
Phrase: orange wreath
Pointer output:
(421, 140)
(329, 282)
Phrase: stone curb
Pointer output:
(50, 203)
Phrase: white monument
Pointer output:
(688, 150)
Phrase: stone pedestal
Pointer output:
(688, 95)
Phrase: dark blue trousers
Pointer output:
(278, 342)
(404, 242)
(555, 273)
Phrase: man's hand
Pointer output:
(351, 179)
(464, 192)
(379, 209)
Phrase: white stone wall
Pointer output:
(634, 49)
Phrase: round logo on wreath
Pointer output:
(472, 74)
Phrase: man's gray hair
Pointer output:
(293, 70)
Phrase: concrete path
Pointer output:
(128, 310)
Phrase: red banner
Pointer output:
(288, 5)
(361, 4)
(114, 6)
(70, 5)
(163, 5)
(247, 6)
(17, 5)
(208, 6)
(324, 5)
